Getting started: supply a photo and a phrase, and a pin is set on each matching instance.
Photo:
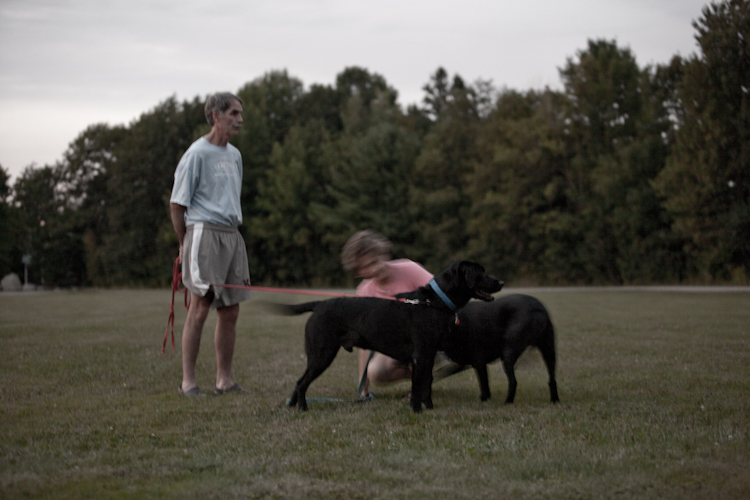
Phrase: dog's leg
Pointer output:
(428, 399)
(316, 364)
(421, 382)
(298, 396)
(416, 400)
(548, 353)
(484, 382)
(509, 362)
(295, 393)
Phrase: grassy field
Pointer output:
(654, 389)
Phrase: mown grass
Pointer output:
(655, 391)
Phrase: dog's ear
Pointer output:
(451, 277)
(472, 272)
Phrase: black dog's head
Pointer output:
(465, 280)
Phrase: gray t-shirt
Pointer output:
(208, 181)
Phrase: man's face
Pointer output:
(372, 266)
(230, 121)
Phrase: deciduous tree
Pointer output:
(706, 183)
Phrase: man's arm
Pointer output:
(178, 221)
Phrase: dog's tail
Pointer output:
(293, 309)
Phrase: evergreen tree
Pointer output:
(438, 203)
(286, 232)
(370, 184)
(359, 93)
(270, 110)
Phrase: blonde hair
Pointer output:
(364, 243)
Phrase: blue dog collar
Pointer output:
(442, 295)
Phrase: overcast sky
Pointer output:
(67, 64)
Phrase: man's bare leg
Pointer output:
(224, 337)
(191, 339)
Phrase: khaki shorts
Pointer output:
(215, 255)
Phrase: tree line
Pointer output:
(628, 175)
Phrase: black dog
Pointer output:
(501, 329)
(410, 331)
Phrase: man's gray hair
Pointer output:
(218, 102)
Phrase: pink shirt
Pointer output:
(404, 276)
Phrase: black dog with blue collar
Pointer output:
(409, 334)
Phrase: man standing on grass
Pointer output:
(205, 209)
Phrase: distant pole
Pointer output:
(26, 259)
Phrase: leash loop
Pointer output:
(176, 282)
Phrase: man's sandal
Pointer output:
(192, 393)
(235, 388)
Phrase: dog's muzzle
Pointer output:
(487, 295)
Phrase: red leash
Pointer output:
(285, 290)
(309, 292)
(176, 282)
